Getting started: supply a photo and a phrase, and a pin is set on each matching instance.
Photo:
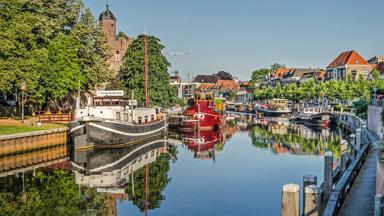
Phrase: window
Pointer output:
(353, 73)
(117, 55)
(139, 120)
(111, 24)
(125, 116)
(118, 116)
(152, 117)
(146, 119)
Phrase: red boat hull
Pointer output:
(201, 116)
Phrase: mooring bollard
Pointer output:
(328, 174)
(343, 164)
(290, 201)
(352, 139)
(308, 180)
(311, 200)
(378, 205)
(358, 139)
(364, 134)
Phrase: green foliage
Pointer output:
(132, 72)
(259, 76)
(334, 90)
(31, 49)
(158, 179)
(48, 193)
(360, 108)
(122, 34)
(276, 66)
(231, 95)
(262, 137)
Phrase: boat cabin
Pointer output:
(312, 110)
(280, 102)
(117, 109)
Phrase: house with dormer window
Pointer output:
(348, 63)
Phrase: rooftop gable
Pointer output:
(348, 58)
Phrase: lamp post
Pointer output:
(23, 87)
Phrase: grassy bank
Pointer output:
(14, 129)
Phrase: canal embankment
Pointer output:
(341, 181)
(28, 149)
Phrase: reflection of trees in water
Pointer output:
(295, 142)
(158, 179)
(48, 193)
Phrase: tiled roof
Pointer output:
(227, 84)
(301, 72)
(206, 86)
(279, 72)
(348, 58)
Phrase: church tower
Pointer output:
(119, 45)
(107, 22)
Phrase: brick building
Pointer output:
(118, 44)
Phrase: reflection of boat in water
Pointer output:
(109, 169)
(202, 143)
(275, 108)
(314, 117)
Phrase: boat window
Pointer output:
(118, 116)
(125, 116)
(146, 119)
(139, 120)
(152, 117)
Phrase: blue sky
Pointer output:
(239, 36)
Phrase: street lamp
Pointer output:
(23, 87)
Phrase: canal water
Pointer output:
(238, 170)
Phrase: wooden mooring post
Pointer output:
(311, 201)
(328, 174)
(307, 181)
(290, 200)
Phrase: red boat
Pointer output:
(202, 115)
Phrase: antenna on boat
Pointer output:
(146, 67)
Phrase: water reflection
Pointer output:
(284, 137)
(136, 179)
(48, 191)
(137, 173)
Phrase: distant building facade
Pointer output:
(348, 63)
(119, 45)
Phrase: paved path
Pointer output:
(360, 200)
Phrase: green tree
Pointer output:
(260, 75)
(93, 51)
(276, 66)
(132, 72)
(29, 31)
(61, 73)
(231, 95)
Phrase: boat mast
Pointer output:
(146, 69)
